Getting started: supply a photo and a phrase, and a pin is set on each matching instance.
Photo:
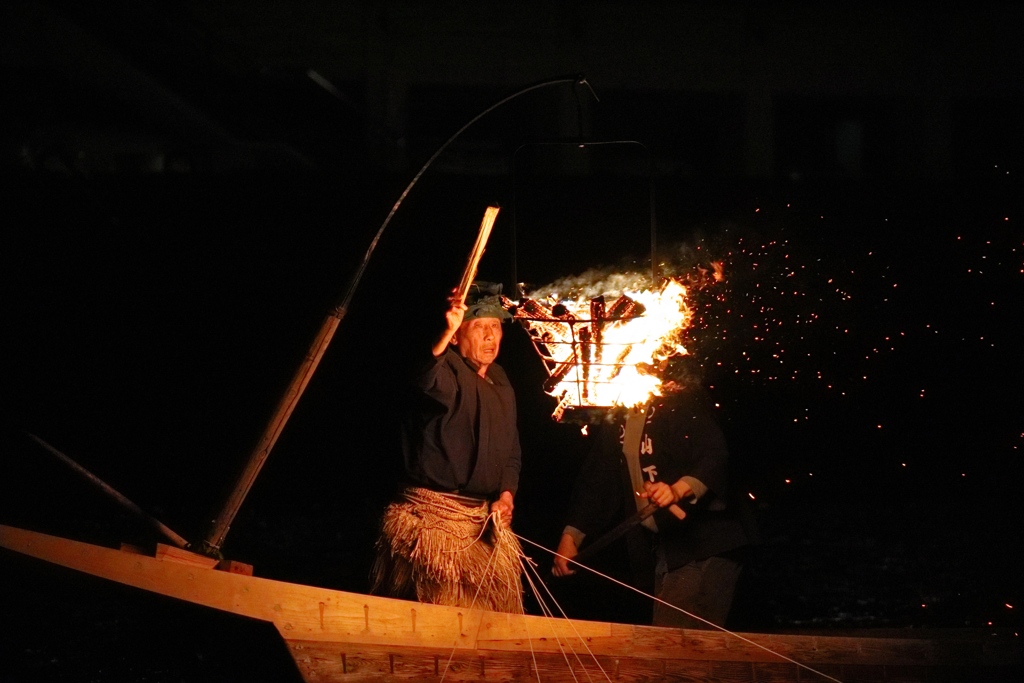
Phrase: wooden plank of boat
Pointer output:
(342, 636)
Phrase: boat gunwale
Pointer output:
(304, 613)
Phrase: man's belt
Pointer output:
(468, 501)
(460, 498)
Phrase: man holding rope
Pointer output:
(448, 540)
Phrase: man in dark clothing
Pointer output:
(462, 436)
(670, 452)
(462, 456)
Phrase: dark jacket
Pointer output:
(680, 438)
(461, 433)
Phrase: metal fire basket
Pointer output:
(573, 350)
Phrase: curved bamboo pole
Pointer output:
(221, 524)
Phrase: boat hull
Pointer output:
(343, 636)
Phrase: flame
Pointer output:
(600, 354)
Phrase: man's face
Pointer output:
(478, 340)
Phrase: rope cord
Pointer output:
(494, 518)
(535, 582)
(558, 640)
(528, 568)
(659, 600)
(533, 653)
(529, 565)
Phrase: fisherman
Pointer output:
(670, 452)
(448, 539)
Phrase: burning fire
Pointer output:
(604, 350)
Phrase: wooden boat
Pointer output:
(341, 636)
(337, 636)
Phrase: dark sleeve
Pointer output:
(596, 500)
(710, 454)
(510, 475)
(510, 447)
(431, 393)
(435, 378)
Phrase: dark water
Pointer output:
(152, 324)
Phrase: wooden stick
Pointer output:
(478, 251)
(113, 493)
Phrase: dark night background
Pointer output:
(187, 190)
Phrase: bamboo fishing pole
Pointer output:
(285, 407)
(222, 522)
